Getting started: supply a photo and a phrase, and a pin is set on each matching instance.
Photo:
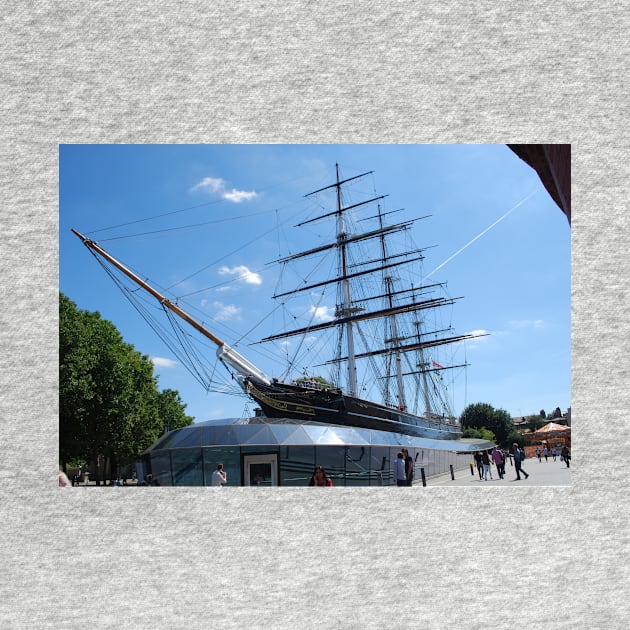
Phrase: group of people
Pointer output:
(564, 453)
(498, 456)
(403, 468)
(483, 461)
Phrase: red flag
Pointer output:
(437, 365)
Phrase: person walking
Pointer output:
(519, 458)
(400, 476)
(219, 476)
(485, 459)
(538, 454)
(554, 453)
(408, 467)
(546, 454)
(565, 454)
(499, 461)
(479, 463)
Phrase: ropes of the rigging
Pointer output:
(291, 363)
(373, 366)
(192, 359)
(221, 259)
(152, 218)
(201, 205)
(182, 347)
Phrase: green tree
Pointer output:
(483, 415)
(171, 409)
(109, 403)
(535, 422)
(482, 434)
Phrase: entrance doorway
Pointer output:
(260, 470)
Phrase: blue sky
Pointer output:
(203, 222)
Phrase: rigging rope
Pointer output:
(182, 347)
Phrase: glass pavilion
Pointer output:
(255, 452)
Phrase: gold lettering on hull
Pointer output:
(306, 410)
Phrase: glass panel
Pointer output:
(296, 465)
(223, 435)
(260, 474)
(380, 466)
(357, 465)
(332, 459)
(262, 435)
(165, 441)
(345, 435)
(321, 435)
(188, 437)
(161, 468)
(187, 467)
(248, 450)
(230, 457)
(288, 434)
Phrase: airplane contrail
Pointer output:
(459, 251)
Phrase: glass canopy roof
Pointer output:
(260, 432)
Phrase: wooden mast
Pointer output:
(345, 287)
(225, 353)
(156, 294)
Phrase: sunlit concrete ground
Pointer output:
(545, 473)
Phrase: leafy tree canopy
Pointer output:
(535, 422)
(482, 434)
(483, 415)
(109, 402)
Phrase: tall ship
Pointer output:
(384, 343)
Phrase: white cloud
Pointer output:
(239, 195)
(216, 185)
(242, 273)
(225, 312)
(163, 362)
(209, 184)
(479, 332)
(321, 313)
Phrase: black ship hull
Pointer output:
(331, 406)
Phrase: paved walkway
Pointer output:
(545, 473)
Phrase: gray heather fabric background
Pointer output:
(302, 72)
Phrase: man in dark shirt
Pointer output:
(408, 466)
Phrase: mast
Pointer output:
(351, 312)
(395, 340)
(423, 365)
(346, 304)
(227, 355)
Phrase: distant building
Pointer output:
(520, 422)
